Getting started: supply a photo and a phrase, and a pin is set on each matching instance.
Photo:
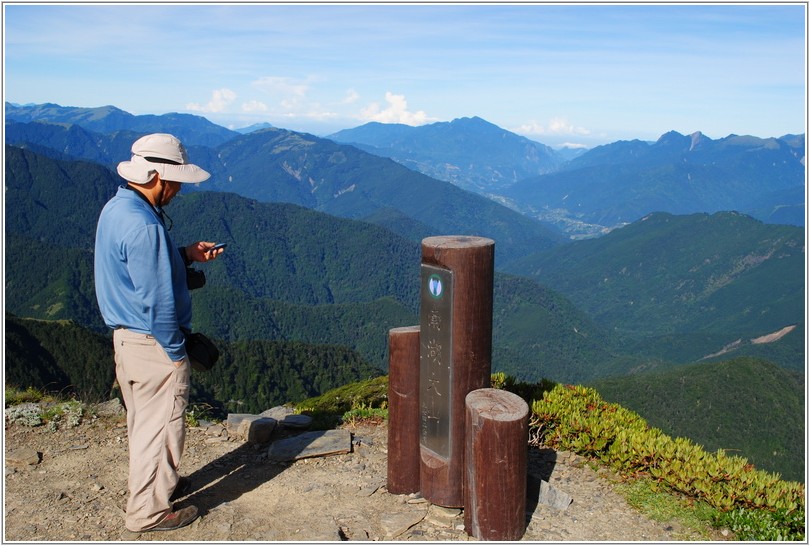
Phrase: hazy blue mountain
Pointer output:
(192, 130)
(619, 183)
(70, 141)
(724, 274)
(254, 127)
(469, 152)
(785, 206)
(275, 165)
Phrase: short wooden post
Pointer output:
(497, 425)
(403, 410)
(456, 357)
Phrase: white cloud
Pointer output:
(351, 96)
(288, 92)
(220, 99)
(555, 126)
(397, 112)
(573, 145)
(254, 106)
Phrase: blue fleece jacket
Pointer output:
(139, 273)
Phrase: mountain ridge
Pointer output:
(280, 165)
(454, 151)
(659, 276)
(751, 394)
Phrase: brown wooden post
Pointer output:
(403, 410)
(497, 427)
(456, 354)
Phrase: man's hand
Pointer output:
(201, 251)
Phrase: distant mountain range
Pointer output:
(469, 152)
(283, 166)
(583, 194)
(608, 186)
(191, 130)
(619, 183)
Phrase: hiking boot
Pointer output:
(181, 489)
(176, 520)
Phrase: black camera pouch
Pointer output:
(195, 278)
(201, 351)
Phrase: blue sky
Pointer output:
(575, 74)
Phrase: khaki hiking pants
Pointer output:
(155, 393)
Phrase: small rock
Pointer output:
(260, 430)
(278, 413)
(110, 408)
(296, 421)
(445, 512)
(216, 430)
(234, 420)
(255, 429)
(23, 456)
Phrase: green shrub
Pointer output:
(528, 391)
(199, 411)
(365, 413)
(575, 418)
(329, 409)
(780, 525)
(15, 396)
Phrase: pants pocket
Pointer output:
(181, 392)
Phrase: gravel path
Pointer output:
(77, 492)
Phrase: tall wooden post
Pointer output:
(497, 426)
(403, 410)
(455, 356)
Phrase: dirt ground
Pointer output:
(76, 490)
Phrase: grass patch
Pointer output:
(15, 396)
(365, 414)
(661, 504)
(361, 400)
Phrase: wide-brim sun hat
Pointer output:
(163, 154)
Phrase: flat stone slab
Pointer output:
(554, 497)
(296, 421)
(398, 523)
(23, 456)
(278, 413)
(311, 444)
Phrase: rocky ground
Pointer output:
(72, 487)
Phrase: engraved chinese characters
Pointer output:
(435, 375)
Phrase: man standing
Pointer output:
(141, 289)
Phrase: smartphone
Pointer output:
(218, 246)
